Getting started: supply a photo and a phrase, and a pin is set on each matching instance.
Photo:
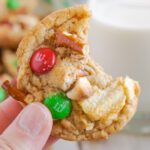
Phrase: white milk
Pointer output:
(120, 40)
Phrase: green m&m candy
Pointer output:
(13, 4)
(2, 94)
(59, 105)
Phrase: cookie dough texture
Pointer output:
(113, 101)
(13, 28)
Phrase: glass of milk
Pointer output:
(120, 42)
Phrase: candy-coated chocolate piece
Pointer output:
(59, 105)
(13, 4)
(42, 61)
(2, 94)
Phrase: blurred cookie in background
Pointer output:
(2, 7)
(1, 65)
(9, 60)
(13, 27)
(1, 68)
(17, 6)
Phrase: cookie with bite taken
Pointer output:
(55, 69)
(13, 27)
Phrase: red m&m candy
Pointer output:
(42, 60)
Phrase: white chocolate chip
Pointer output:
(82, 89)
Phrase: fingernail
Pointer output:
(33, 120)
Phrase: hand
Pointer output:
(30, 130)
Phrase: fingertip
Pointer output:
(46, 111)
(32, 127)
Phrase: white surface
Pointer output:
(120, 142)
(65, 145)
(116, 142)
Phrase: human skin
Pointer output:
(27, 128)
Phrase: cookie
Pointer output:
(13, 27)
(9, 60)
(17, 6)
(55, 69)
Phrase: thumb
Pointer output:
(29, 131)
